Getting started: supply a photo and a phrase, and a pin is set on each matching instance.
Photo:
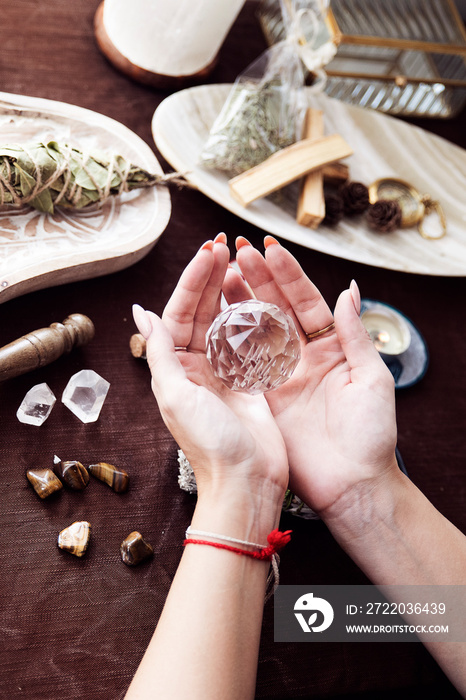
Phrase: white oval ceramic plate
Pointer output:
(40, 250)
(383, 147)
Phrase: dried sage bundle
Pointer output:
(46, 175)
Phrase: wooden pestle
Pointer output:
(45, 345)
(137, 344)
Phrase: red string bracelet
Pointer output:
(276, 539)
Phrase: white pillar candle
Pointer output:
(169, 37)
(388, 330)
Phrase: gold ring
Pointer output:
(178, 348)
(317, 334)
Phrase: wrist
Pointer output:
(238, 510)
(366, 504)
(396, 536)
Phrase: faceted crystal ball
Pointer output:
(253, 346)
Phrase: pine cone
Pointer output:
(355, 198)
(333, 209)
(384, 215)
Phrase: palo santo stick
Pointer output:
(287, 165)
(311, 203)
(335, 174)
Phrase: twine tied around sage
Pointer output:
(46, 175)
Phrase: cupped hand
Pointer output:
(337, 411)
(227, 436)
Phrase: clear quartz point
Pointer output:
(85, 394)
(36, 406)
(253, 346)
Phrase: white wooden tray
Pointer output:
(383, 146)
(40, 250)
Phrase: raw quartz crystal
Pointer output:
(85, 394)
(253, 346)
(36, 406)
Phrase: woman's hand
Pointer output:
(337, 417)
(230, 438)
(211, 621)
(337, 412)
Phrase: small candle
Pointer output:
(388, 330)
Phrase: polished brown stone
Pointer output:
(134, 549)
(44, 482)
(73, 474)
(115, 477)
(75, 538)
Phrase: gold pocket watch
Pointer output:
(414, 206)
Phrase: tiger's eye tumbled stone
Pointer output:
(134, 549)
(113, 476)
(73, 474)
(75, 538)
(44, 482)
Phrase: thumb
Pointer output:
(163, 363)
(364, 360)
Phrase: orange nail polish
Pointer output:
(220, 238)
(270, 240)
(208, 245)
(241, 241)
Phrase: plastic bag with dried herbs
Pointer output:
(263, 113)
(306, 21)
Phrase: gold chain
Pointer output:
(431, 206)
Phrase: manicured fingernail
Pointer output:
(220, 238)
(142, 321)
(270, 240)
(356, 296)
(241, 241)
(208, 245)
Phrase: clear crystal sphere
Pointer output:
(253, 346)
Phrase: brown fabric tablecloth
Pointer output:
(77, 629)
